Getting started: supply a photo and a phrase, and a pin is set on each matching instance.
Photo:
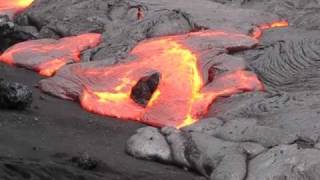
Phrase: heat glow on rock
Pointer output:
(12, 7)
(257, 32)
(46, 56)
(182, 96)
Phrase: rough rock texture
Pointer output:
(243, 130)
(11, 33)
(301, 14)
(14, 95)
(149, 143)
(251, 136)
(285, 162)
(123, 27)
(212, 157)
(55, 168)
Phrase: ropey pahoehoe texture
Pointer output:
(264, 135)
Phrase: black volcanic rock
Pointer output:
(85, 162)
(18, 168)
(11, 33)
(142, 92)
(14, 95)
(6, 26)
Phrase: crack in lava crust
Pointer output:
(181, 97)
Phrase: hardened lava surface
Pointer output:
(269, 134)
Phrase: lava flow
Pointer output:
(12, 7)
(182, 95)
(46, 56)
(184, 65)
(257, 32)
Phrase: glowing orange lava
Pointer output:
(46, 56)
(50, 67)
(12, 7)
(185, 90)
(181, 97)
(257, 32)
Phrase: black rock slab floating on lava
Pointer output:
(254, 114)
(142, 92)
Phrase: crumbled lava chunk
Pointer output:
(85, 162)
(14, 95)
(143, 90)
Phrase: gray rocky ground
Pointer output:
(269, 135)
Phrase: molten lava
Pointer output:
(12, 7)
(181, 97)
(257, 32)
(46, 56)
(184, 66)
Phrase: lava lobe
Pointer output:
(46, 56)
(257, 32)
(12, 7)
(183, 93)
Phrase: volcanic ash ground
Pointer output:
(248, 105)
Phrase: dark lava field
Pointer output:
(160, 90)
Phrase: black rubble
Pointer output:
(11, 32)
(14, 95)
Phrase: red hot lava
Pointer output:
(184, 92)
(182, 95)
(257, 32)
(12, 7)
(46, 56)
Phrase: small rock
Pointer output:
(85, 162)
(6, 26)
(216, 158)
(14, 95)
(149, 143)
(252, 149)
(177, 141)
